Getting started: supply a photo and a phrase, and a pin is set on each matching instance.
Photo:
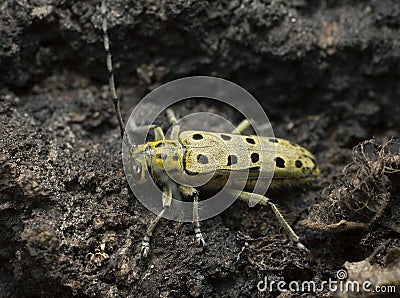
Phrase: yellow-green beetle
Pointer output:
(191, 154)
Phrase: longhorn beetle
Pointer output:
(294, 164)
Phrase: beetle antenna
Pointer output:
(110, 70)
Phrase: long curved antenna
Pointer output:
(110, 70)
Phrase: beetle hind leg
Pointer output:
(262, 200)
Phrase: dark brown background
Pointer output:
(327, 73)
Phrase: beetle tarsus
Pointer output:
(199, 237)
(145, 248)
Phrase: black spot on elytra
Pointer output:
(202, 159)
(280, 163)
(232, 159)
(250, 141)
(162, 156)
(225, 137)
(161, 144)
(175, 157)
(254, 169)
(190, 173)
(298, 164)
(255, 157)
(273, 140)
(197, 136)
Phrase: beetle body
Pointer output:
(199, 153)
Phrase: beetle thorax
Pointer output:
(165, 156)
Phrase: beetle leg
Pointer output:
(197, 230)
(166, 202)
(175, 132)
(262, 200)
(175, 128)
(191, 191)
(242, 126)
(142, 129)
(158, 134)
(171, 116)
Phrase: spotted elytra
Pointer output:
(193, 154)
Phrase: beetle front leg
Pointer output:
(158, 134)
(172, 120)
(166, 202)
